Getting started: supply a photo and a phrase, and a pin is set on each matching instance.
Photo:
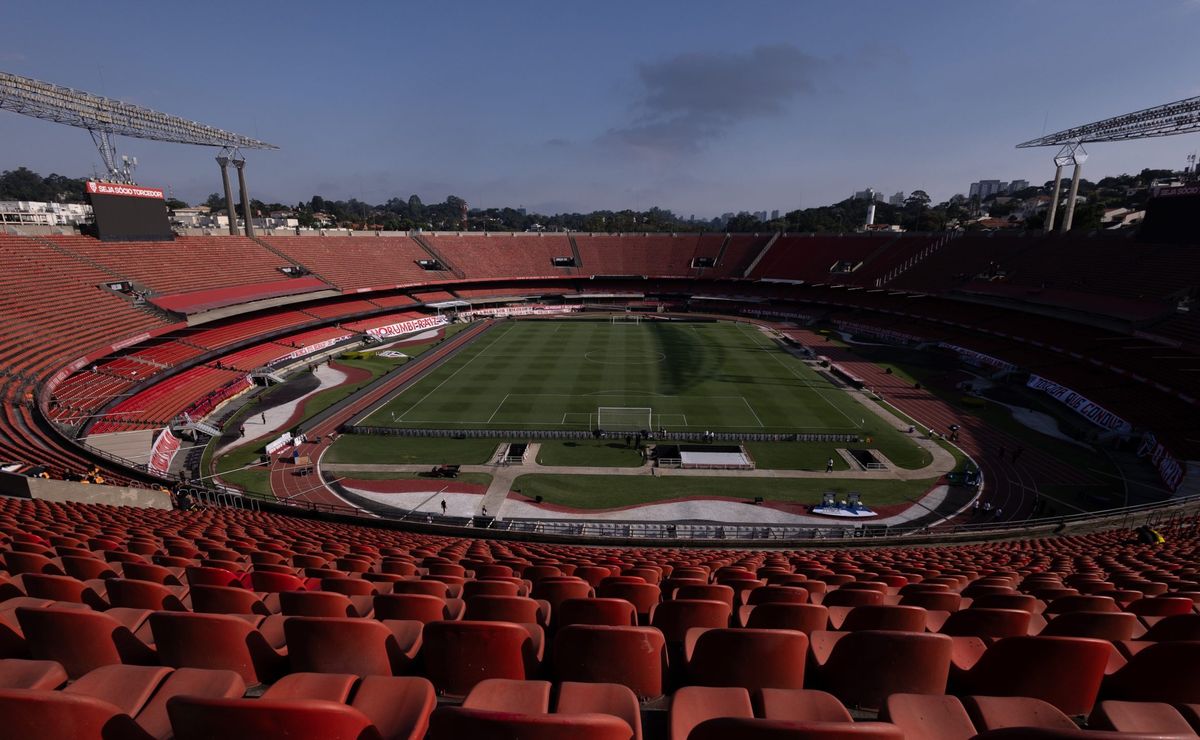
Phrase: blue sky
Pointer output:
(700, 107)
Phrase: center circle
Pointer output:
(625, 358)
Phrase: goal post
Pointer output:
(624, 418)
(626, 318)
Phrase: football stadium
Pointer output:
(881, 469)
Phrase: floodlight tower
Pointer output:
(105, 118)
(1180, 117)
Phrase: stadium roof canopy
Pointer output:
(1180, 117)
(106, 116)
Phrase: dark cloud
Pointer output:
(690, 99)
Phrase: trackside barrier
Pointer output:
(1170, 516)
(581, 434)
(1163, 514)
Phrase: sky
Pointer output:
(701, 107)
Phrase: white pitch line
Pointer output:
(752, 412)
(773, 352)
(498, 407)
(439, 385)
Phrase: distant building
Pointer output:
(1017, 186)
(869, 194)
(1119, 218)
(760, 215)
(34, 213)
(774, 214)
(195, 217)
(897, 199)
(985, 189)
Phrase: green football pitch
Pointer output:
(580, 374)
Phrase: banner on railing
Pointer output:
(162, 452)
(408, 327)
(778, 314)
(977, 358)
(1093, 412)
(874, 331)
(1170, 470)
(279, 443)
(525, 309)
(313, 348)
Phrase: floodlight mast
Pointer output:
(1180, 117)
(105, 118)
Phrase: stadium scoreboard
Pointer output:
(129, 212)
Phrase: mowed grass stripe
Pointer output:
(718, 376)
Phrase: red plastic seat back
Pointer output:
(725, 728)
(987, 623)
(55, 714)
(863, 668)
(749, 658)
(195, 718)
(360, 647)
(806, 618)
(516, 609)
(674, 618)
(853, 597)
(456, 723)
(643, 596)
(419, 607)
(635, 657)
(614, 612)
(1063, 671)
(79, 639)
(885, 617)
(315, 604)
(458, 655)
(1111, 626)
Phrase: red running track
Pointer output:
(1010, 486)
(286, 485)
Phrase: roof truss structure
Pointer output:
(1180, 117)
(110, 117)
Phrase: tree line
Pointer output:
(917, 213)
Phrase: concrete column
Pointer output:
(1067, 219)
(224, 162)
(1052, 211)
(247, 216)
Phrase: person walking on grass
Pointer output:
(829, 466)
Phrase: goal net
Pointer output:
(627, 318)
(624, 418)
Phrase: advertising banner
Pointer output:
(1094, 413)
(162, 453)
(128, 191)
(1170, 470)
(978, 358)
(408, 327)
(311, 349)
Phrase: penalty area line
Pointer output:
(753, 413)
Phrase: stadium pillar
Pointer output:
(246, 215)
(1070, 215)
(1052, 211)
(224, 163)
